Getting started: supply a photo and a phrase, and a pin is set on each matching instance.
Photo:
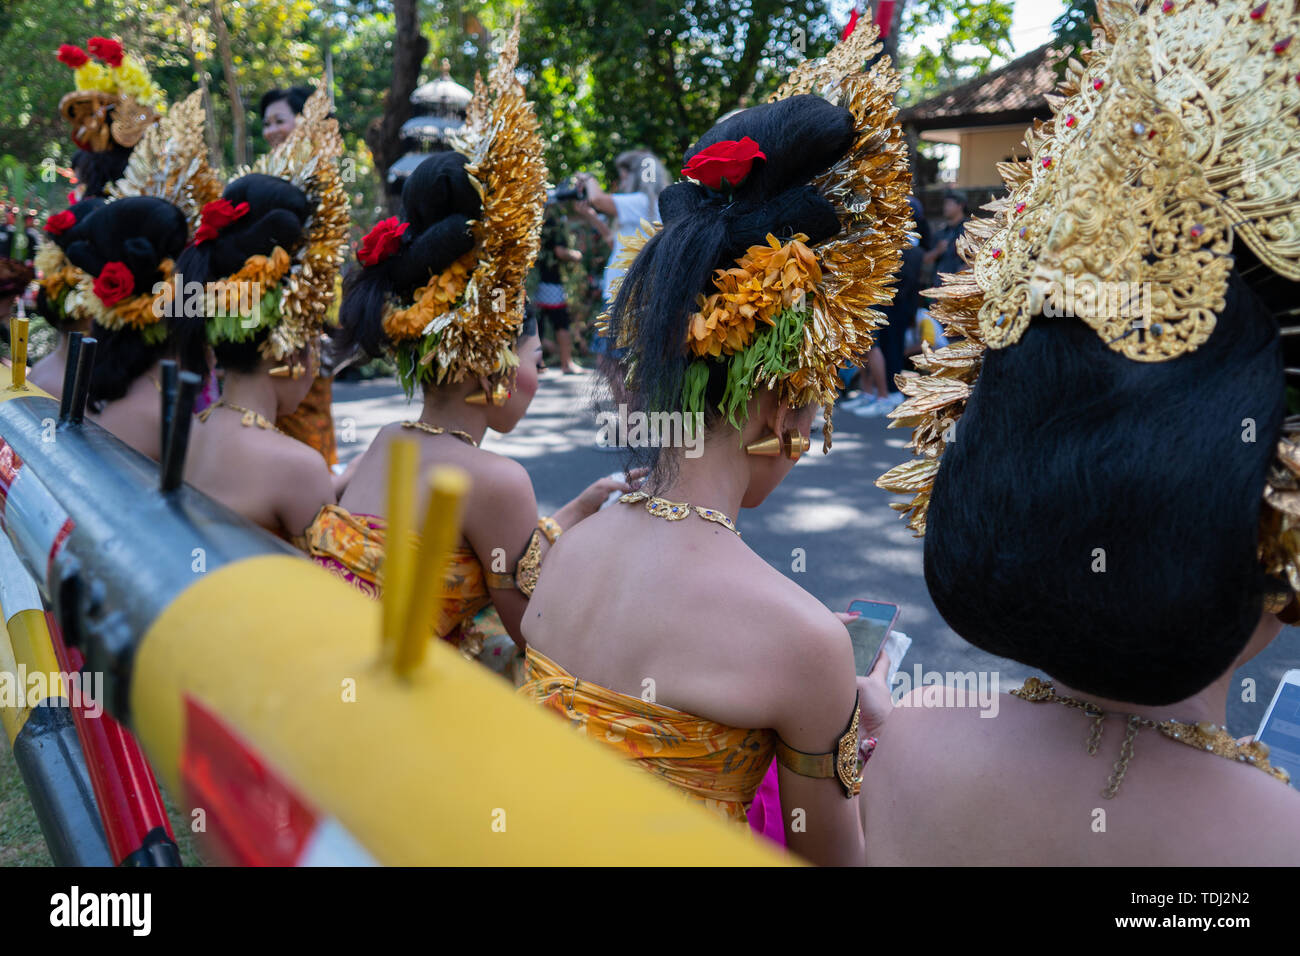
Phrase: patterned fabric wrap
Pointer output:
(711, 763)
(351, 547)
(312, 422)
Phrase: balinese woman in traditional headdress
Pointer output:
(266, 256)
(115, 102)
(126, 252)
(1109, 488)
(654, 626)
(442, 291)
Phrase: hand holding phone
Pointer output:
(1280, 728)
(869, 632)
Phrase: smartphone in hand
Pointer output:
(870, 631)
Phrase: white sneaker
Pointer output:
(858, 401)
(872, 408)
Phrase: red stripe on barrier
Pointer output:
(130, 804)
(252, 816)
(56, 545)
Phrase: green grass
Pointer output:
(21, 841)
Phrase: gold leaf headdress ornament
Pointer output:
(170, 162)
(1176, 134)
(297, 285)
(465, 321)
(843, 279)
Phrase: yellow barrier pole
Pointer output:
(399, 560)
(447, 490)
(18, 329)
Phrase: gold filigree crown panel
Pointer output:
(171, 162)
(309, 159)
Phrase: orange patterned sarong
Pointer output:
(713, 764)
(352, 548)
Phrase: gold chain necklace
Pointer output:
(677, 510)
(439, 430)
(1202, 736)
(250, 419)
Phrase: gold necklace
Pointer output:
(677, 510)
(439, 430)
(1203, 736)
(250, 419)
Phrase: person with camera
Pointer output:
(641, 178)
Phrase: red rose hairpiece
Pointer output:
(114, 283)
(60, 222)
(217, 215)
(109, 51)
(381, 241)
(724, 165)
(72, 56)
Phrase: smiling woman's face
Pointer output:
(278, 122)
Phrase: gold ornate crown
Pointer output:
(300, 285)
(845, 277)
(170, 162)
(1176, 134)
(465, 321)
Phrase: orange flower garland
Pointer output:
(265, 271)
(436, 298)
(766, 281)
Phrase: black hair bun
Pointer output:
(438, 201)
(139, 231)
(81, 211)
(801, 136)
(277, 212)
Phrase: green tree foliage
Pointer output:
(971, 33)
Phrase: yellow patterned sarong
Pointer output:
(713, 764)
(351, 547)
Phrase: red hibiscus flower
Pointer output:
(381, 241)
(73, 56)
(110, 51)
(217, 215)
(114, 283)
(723, 165)
(60, 222)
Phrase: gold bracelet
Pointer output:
(841, 763)
(549, 527)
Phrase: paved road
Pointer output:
(855, 546)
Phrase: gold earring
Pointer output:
(769, 446)
(794, 444)
(500, 395)
(287, 371)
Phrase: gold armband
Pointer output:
(502, 582)
(841, 763)
(529, 567)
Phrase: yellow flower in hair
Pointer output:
(92, 75)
